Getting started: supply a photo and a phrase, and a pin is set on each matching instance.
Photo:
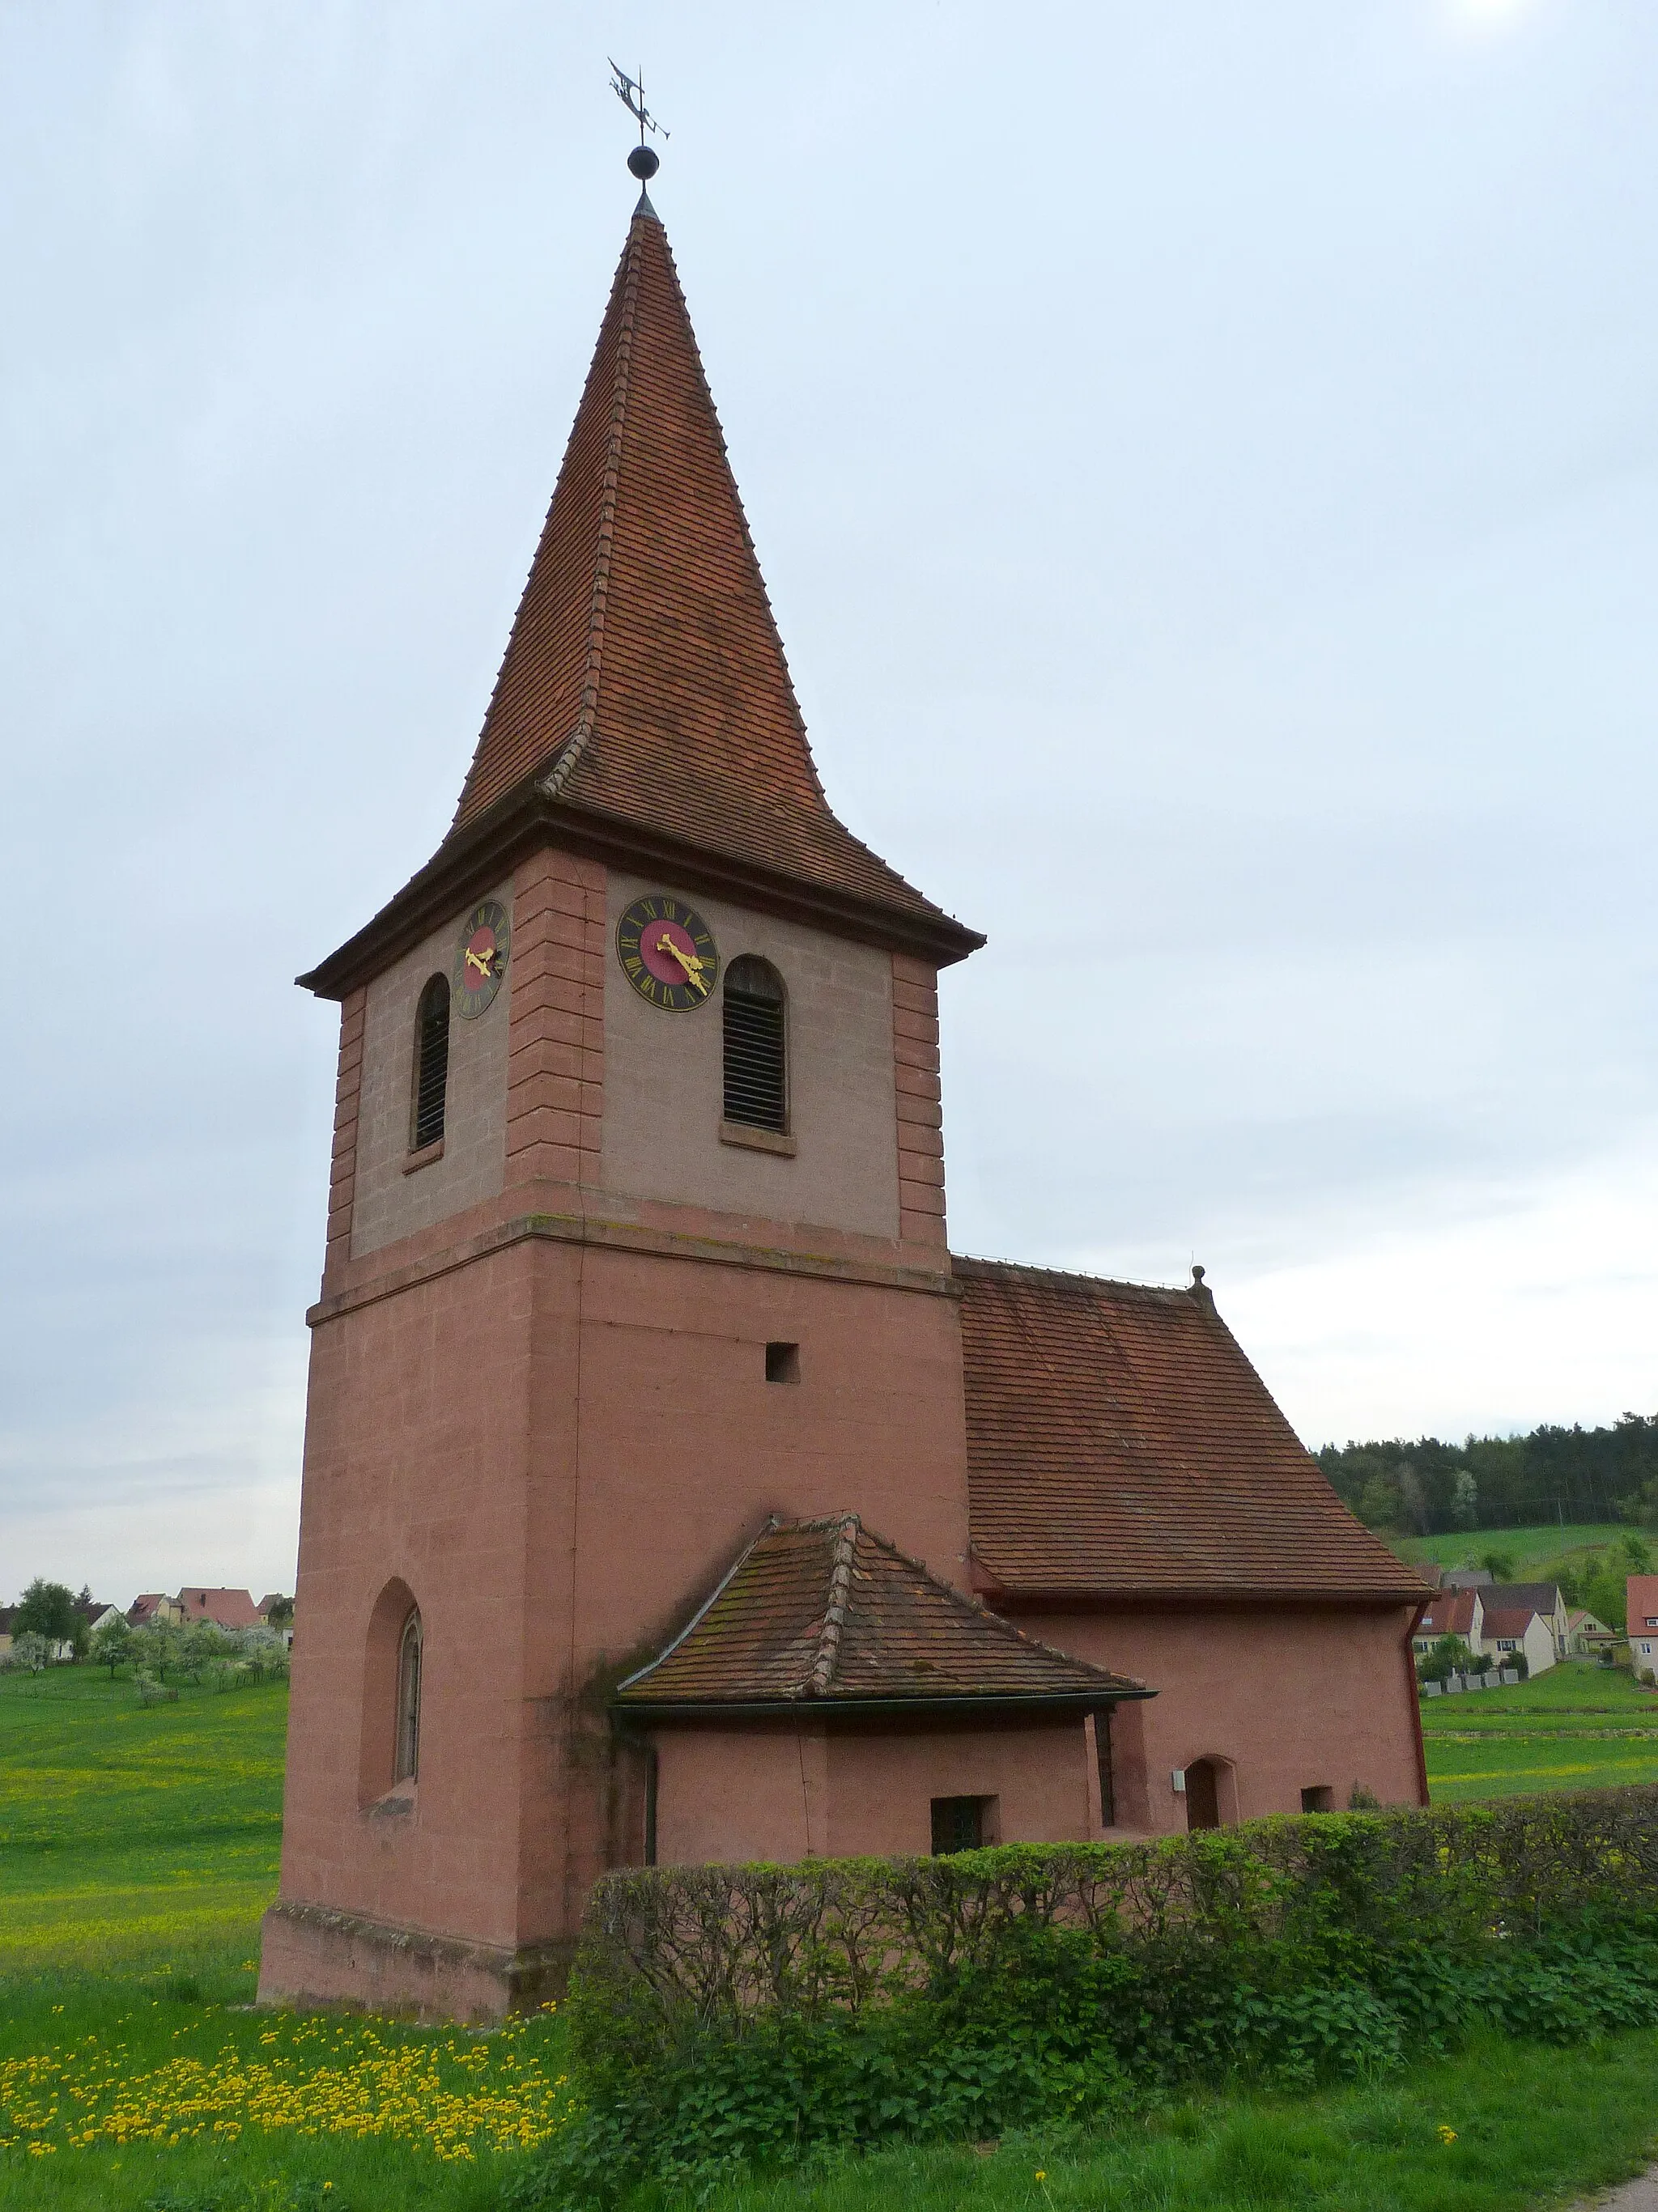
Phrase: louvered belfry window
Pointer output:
(756, 1070)
(431, 1062)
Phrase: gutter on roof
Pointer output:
(1070, 1701)
(1096, 1597)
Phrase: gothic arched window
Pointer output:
(756, 1052)
(431, 1071)
(406, 1764)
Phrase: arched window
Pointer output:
(756, 1071)
(407, 1764)
(431, 1074)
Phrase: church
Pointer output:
(672, 1491)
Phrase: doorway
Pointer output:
(1210, 1796)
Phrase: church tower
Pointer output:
(635, 1237)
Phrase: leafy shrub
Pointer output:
(723, 2016)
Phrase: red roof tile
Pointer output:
(1451, 1613)
(228, 1608)
(644, 677)
(1120, 1443)
(823, 1613)
(1641, 1594)
(1510, 1620)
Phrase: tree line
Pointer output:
(1430, 1488)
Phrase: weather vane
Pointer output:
(644, 160)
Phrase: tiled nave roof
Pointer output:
(1120, 1444)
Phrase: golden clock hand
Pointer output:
(693, 967)
(480, 962)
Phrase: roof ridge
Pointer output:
(834, 1618)
(564, 763)
(1025, 1270)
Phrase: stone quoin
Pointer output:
(671, 1491)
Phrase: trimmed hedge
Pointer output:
(727, 2014)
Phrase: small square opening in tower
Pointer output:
(782, 1363)
(1319, 1798)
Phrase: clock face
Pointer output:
(667, 953)
(481, 959)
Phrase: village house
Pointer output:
(153, 1606)
(1512, 1632)
(1542, 1601)
(232, 1610)
(1498, 1622)
(1451, 1613)
(1641, 1598)
(672, 1489)
(1587, 1637)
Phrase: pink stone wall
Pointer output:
(1295, 1697)
(919, 1102)
(557, 1450)
(418, 1472)
(663, 1105)
(785, 1794)
(389, 1203)
(556, 1074)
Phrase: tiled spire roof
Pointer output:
(825, 1616)
(645, 680)
(1120, 1444)
(644, 711)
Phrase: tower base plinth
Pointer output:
(312, 1956)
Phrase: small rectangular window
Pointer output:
(960, 1824)
(782, 1363)
(1319, 1797)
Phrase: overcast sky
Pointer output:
(1203, 458)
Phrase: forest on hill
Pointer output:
(1429, 1488)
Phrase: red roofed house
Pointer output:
(1641, 1594)
(671, 1491)
(1452, 1613)
(153, 1605)
(225, 1608)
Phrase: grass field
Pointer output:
(1530, 2128)
(1527, 1547)
(128, 1830)
(138, 1846)
(1581, 1726)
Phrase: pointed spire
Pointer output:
(644, 682)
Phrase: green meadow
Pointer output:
(1549, 1544)
(131, 1831)
(138, 1846)
(1580, 1726)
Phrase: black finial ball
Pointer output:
(643, 162)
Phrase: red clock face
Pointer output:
(667, 953)
(481, 961)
